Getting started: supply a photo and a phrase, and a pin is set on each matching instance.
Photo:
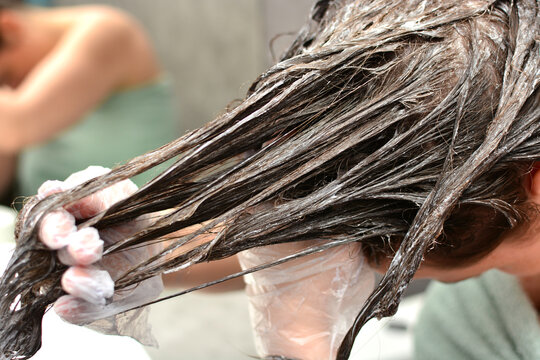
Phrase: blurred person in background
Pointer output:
(80, 85)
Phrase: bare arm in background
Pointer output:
(205, 272)
(58, 64)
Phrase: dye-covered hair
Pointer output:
(405, 126)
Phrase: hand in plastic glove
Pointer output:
(90, 279)
(303, 308)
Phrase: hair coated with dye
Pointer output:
(402, 125)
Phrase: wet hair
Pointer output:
(404, 126)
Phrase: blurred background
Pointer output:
(212, 49)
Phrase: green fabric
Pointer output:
(127, 124)
(489, 317)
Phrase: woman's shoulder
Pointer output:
(109, 36)
(105, 25)
(92, 17)
(464, 320)
(95, 13)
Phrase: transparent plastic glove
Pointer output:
(302, 309)
(89, 281)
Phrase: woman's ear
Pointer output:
(533, 183)
(10, 27)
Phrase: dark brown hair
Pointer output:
(389, 123)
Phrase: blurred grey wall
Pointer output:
(213, 49)
(281, 20)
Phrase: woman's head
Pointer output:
(494, 241)
(462, 68)
(455, 73)
(24, 42)
(392, 124)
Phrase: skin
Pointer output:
(205, 272)
(517, 255)
(49, 57)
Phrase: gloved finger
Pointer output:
(79, 311)
(82, 176)
(91, 205)
(88, 283)
(100, 201)
(71, 309)
(55, 228)
(50, 187)
(84, 248)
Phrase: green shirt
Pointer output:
(484, 318)
(127, 124)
